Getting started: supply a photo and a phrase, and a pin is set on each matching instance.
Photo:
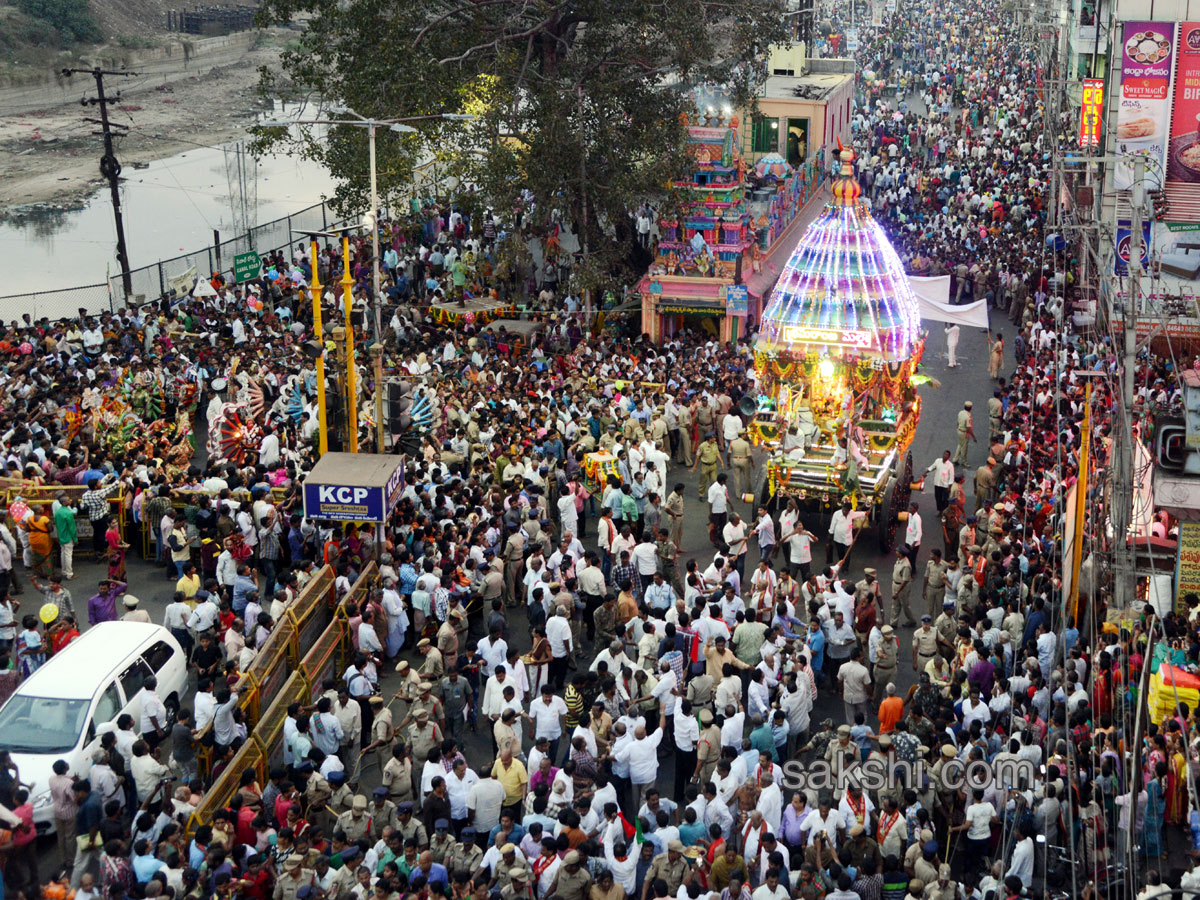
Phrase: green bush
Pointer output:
(70, 18)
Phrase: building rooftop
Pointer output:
(813, 86)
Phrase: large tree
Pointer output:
(578, 103)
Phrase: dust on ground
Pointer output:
(51, 158)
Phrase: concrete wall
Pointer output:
(178, 57)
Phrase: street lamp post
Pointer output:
(396, 125)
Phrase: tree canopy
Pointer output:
(577, 103)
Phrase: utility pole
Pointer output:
(1124, 577)
(109, 167)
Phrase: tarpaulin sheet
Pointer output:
(934, 296)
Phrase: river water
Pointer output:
(169, 208)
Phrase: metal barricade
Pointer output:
(278, 658)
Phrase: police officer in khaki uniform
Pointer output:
(294, 877)
(442, 841)
(700, 691)
(869, 586)
(383, 813)
(995, 412)
(708, 459)
(406, 692)
(658, 430)
(425, 703)
(342, 796)
(671, 867)
(465, 855)
(572, 881)
(511, 865)
(708, 749)
(685, 435)
(739, 458)
(946, 625)
(357, 822)
(902, 577)
(608, 439)
(317, 793)
(966, 431)
(382, 735)
(411, 828)
(935, 584)
(886, 659)
(518, 887)
(423, 735)
(925, 645)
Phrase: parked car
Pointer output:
(62, 709)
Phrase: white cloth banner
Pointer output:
(934, 297)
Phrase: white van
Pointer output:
(63, 708)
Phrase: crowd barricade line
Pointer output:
(33, 494)
(249, 756)
(327, 655)
(277, 658)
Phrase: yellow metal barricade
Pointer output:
(249, 756)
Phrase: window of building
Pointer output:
(765, 135)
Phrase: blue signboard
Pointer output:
(344, 502)
(737, 300)
(1125, 246)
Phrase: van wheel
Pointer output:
(172, 705)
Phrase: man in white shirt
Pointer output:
(718, 502)
(825, 823)
(614, 656)
(734, 534)
(547, 715)
(1022, 856)
(641, 756)
(558, 634)
(913, 534)
(980, 816)
(771, 889)
(974, 709)
(459, 781)
(841, 530)
(493, 651)
(153, 725)
(943, 478)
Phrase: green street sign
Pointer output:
(247, 266)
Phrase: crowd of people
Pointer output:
(550, 696)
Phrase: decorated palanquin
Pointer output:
(836, 363)
(597, 467)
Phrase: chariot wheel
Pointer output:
(888, 517)
(904, 488)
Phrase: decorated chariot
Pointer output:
(837, 368)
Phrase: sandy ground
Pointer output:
(50, 157)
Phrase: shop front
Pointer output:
(708, 306)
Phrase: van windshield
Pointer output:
(41, 724)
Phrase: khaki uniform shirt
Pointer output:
(925, 642)
(287, 885)
(572, 887)
(397, 778)
(670, 872)
(354, 826)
